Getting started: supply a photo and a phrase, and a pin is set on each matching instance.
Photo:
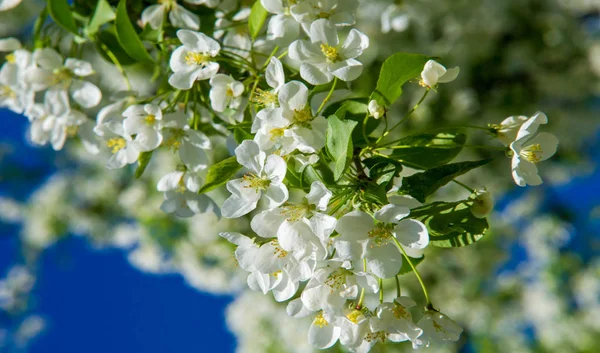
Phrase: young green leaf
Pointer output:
(395, 72)
(424, 151)
(382, 170)
(104, 13)
(143, 163)
(128, 37)
(60, 11)
(421, 185)
(220, 173)
(339, 143)
(257, 18)
(107, 39)
(451, 224)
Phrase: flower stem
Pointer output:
(416, 106)
(398, 291)
(414, 270)
(115, 61)
(380, 291)
(463, 185)
(328, 97)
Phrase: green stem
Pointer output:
(282, 55)
(398, 291)
(362, 291)
(464, 186)
(380, 291)
(364, 128)
(414, 269)
(328, 97)
(269, 58)
(416, 106)
(115, 61)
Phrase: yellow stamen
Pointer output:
(320, 320)
(354, 316)
(278, 251)
(438, 327)
(376, 336)
(116, 144)
(256, 182)
(7, 92)
(265, 98)
(303, 116)
(331, 53)
(276, 133)
(400, 312)
(11, 58)
(150, 119)
(532, 153)
(337, 278)
(196, 58)
(380, 235)
(294, 212)
(72, 131)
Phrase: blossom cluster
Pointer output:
(320, 242)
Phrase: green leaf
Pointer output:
(395, 72)
(382, 170)
(128, 37)
(142, 163)
(406, 267)
(339, 143)
(423, 184)
(104, 13)
(356, 110)
(424, 151)
(376, 194)
(60, 11)
(220, 173)
(257, 18)
(109, 39)
(451, 224)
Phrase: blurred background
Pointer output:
(89, 263)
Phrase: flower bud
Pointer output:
(483, 203)
(375, 110)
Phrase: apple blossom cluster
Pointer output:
(333, 216)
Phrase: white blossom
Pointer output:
(530, 148)
(324, 57)
(193, 61)
(434, 73)
(179, 16)
(438, 328)
(376, 110)
(264, 178)
(225, 92)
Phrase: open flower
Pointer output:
(434, 73)
(181, 195)
(324, 57)
(179, 16)
(54, 121)
(144, 121)
(51, 72)
(15, 92)
(338, 12)
(530, 148)
(437, 327)
(123, 148)
(225, 92)
(395, 321)
(193, 60)
(292, 125)
(506, 132)
(373, 238)
(264, 178)
(282, 28)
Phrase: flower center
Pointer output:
(294, 212)
(265, 98)
(354, 316)
(72, 131)
(376, 336)
(63, 75)
(229, 92)
(303, 116)
(400, 312)
(438, 327)
(195, 58)
(337, 278)
(380, 235)
(255, 182)
(331, 53)
(320, 320)
(116, 144)
(7, 92)
(150, 119)
(276, 133)
(278, 251)
(174, 141)
(11, 58)
(532, 153)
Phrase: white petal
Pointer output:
(274, 74)
(169, 182)
(293, 96)
(250, 156)
(322, 337)
(267, 223)
(275, 168)
(79, 67)
(324, 32)
(85, 93)
(391, 213)
(316, 75)
(384, 261)
(319, 195)
(347, 70)
(412, 233)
